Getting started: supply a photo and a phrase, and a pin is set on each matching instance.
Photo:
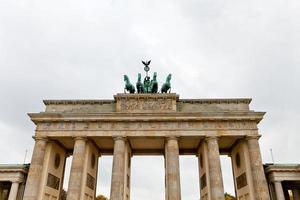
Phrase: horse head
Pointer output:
(169, 77)
(126, 78)
(139, 77)
(154, 76)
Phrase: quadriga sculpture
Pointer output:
(147, 86)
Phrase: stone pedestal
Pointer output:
(13, 191)
(120, 181)
(172, 169)
(215, 172)
(260, 186)
(35, 172)
(278, 190)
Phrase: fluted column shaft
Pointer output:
(261, 191)
(172, 169)
(13, 191)
(215, 172)
(35, 170)
(118, 169)
(77, 168)
(278, 190)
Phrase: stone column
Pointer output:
(203, 166)
(278, 190)
(296, 194)
(77, 168)
(35, 171)
(13, 191)
(118, 169)
(260, 185)
(215, 172)
(172, 169)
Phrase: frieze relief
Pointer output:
(103, 126)
(136, 105)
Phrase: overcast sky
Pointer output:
(75, 49)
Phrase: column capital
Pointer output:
(252, 137)
(213, 137)
(115, 138)
(172, 138)
(80, 138)
(38, 138)
(16, 181)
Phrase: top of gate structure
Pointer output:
(146, 118)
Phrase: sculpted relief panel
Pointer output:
(103, 126)
(137, 105)
(134, 105)
(146, 103)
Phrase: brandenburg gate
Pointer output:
(145, 124)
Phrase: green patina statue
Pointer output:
(139, 84)
(148, 86)
(128, 86)
(167, 85)
(154, 84)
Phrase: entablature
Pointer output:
(136, 117)
(146, 126)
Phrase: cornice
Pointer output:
(283, 168)
(77, 102)
(147, 96)
(14, 170)
(177, 116)
(217, 101)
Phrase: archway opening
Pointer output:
(227, 174)
(4, 189)
(67, 172)
(189, 177)
(104, 175)
(147, 178)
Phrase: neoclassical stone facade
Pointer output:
(12, 181)
(283, 180)
(145, 124)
